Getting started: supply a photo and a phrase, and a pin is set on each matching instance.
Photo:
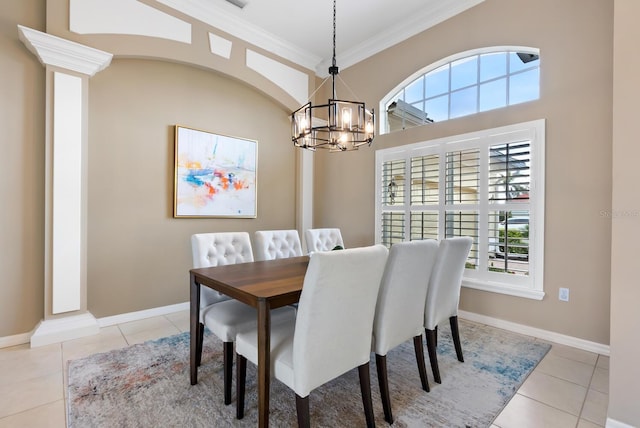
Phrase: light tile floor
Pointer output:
(569, 388)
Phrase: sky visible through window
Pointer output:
(469, 85)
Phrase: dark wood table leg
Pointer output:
(193, 329)
(264, 362)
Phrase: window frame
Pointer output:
(529, 286)
(383, 124)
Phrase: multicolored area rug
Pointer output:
(147, 385)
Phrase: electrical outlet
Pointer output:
(564, 294)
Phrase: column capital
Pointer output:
(55, 51)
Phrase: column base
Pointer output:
(60, 329)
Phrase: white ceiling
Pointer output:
(302, 30)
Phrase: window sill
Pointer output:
(511, 290)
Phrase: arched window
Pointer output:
(463, 84)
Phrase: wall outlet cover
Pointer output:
(563, 294)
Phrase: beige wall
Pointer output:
(575, 39)
(130, 147)
(624, 388)
(22, 92)
(138, 254)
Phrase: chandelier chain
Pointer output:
(334, 34)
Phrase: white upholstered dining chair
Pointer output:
(324, 239)
(225, 317)
(443, 295)
(277, 244)
(328, 337)
(400, 308)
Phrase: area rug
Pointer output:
(147, 385)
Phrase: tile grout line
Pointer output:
(593, 366)
(588, 388)
(578, 417)
(124, 336)
(585, 398)
(172, 323)
(33, 408)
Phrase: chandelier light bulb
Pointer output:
(369, 127)
(346, 118)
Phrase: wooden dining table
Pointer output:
(265, 285)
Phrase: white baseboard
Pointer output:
(60, 329)
(551, 336)
(73, 327)
(18, 339)
(139, 315)
(612, 423)
(164, 310)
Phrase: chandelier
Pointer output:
(346, 125)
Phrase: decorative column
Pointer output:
(69, 66)
(304, 194)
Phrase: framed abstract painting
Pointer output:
(215, 175)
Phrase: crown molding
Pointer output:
(216, 16)
(209, 13)
(440, 11)
(55, 51)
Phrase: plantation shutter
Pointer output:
(393, 199)
(509, 208)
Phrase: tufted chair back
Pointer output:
(277, 244)
(217, 249)
(223, 316)
(325, 239)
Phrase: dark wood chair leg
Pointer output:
(436, 337)
(302, 409)
(381, 367)
(241, 376)
(433, 357)
(365, 389)
(455, 334)
(422, 369)
(200, 342)
(227, 365)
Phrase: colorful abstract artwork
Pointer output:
(215, 175)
